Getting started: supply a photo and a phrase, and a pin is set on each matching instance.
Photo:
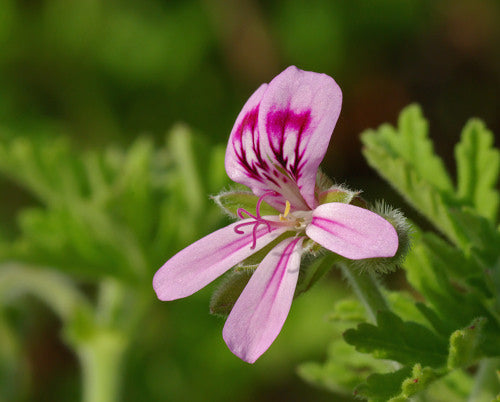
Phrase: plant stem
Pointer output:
(367, 288)
(486, 385)
(101, 360)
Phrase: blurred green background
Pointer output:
(103, 73)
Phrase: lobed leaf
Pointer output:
(478, 166)
(403, 341)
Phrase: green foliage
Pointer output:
(108, 218)
(341, 373)
(478, 166)
(111, 212)
(403, 341)
(453, 323)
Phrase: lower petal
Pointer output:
(352, 232)
(260, 312)
(203, 261)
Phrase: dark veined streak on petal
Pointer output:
(281, 136)
(203, 261)
(352, 232)
(261, 310)
(298, 113)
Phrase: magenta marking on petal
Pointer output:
(248, 126)
(317, 219)
(283, 261)
(260, 312)
(281, 125)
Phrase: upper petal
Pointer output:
(203, 261)
(261, 310)
(352, 232)
(245, 162)
(281, 136)
(297, 114)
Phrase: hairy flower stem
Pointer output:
(367, 288)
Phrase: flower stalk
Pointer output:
(367, 289)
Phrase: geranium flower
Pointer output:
(275, 148)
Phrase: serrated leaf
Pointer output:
(478, 165)
(382, 387)
(400, 385)
(403, 341)
(457, 264)
(409, 143)
(405, 158)
(427, 272)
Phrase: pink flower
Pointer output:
(275, 148)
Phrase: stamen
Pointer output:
(257, 219)
(287, 208)
(287, 211)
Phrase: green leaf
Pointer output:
(382, 387)
(411, 379)
(405, 158)
(348, 310)
(478, 165)
(409, 143)
(403, 341)
(398, 386)
(428, 272)
(343, 369)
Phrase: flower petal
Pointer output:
(281, 136)
(260, 312)
(203, 261)
(245, 162)
(298, 113)
(352, 232)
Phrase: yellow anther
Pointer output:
(287, 211)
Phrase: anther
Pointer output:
(287, 211)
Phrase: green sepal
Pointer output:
(229, 290)
(337, 194)
(231, 201)
(313, 271)
(464, 344)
